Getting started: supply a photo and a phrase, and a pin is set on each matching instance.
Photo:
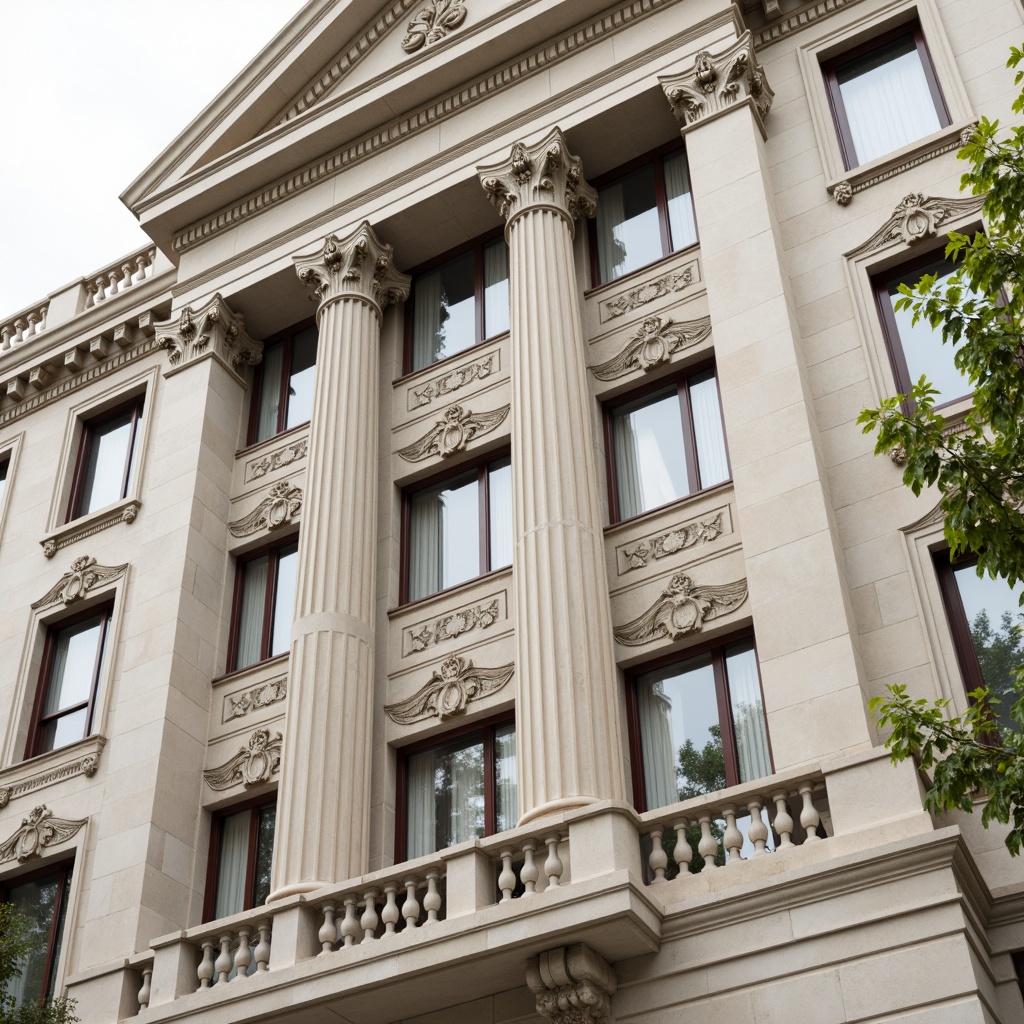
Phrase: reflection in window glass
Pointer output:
(284, 384)
(4, 465)
(43, 902)
(266, 605)
(108, 461)
(245, 852)
(300, 378)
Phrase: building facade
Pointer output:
(489, 638)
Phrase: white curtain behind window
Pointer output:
(426, 544)
(682, 225)
(270, 392)
(627, 467)
(421, 813)
(496, 319)
(232, 859)
(499, 487)
(659, 750)
(611, 212)
(712, 463)
(427, 339)
(507, 812)
(748, 714)
(250, 618)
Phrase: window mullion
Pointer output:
(286, 373)
(479, 292)
(689, 437)
(101, 644)
(661, 201)
(725, 717)
(484, 507)
(268, 604)
(490, 784)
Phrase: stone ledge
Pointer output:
(46, 770)
(124, 511)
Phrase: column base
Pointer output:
(296, 888)
(559, 806)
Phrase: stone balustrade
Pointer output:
(118, 278)
(145, 970)
(234, 954)
(23, 327)
(530, 865)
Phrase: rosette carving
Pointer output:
(655, 342)
(453, 432)
(451, 687)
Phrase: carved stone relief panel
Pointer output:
(238, 705)
(450, 688)
(453, 432)
(84, 574)
(655, 342)
(254, 763)
(479, 615)
(673, 282)
(420, 395)
(81, 764)
(266, 462)
(434, 21)
(37, 833)
(917, 216)
(688, 533)
(279, 508)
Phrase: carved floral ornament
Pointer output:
(451, 687)
(253, 764)
(433, 23)
(278, 509)
(655, 342)
(686, 535)
(214, 328)
(452, 381)
(40, 830)
(917, 216)
(85, 573)
(572, 985)
(453, 432)
(454, 624)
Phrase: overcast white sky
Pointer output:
(92, 91)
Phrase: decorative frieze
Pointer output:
(214, 329)
(447, 627)
(85, 573)
(682, 607)
(451, 687)
(238, 705)
(453, 432)
(84, 764)
(917, 216)
(37, 833)
(649, 291)
(276, 459)
(678, 538)
(278, 509)
(433, 23)
(655, 342)
(255, 763)
(124, 513)
(451, 381)
(572, 985)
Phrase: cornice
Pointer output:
(809, 14)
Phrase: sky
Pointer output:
(93, 91)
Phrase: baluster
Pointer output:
(225, 960)
(101, 288)
(243, 955)
(5, 337)
(90, 294)
(658, 860)
(142, 262)
(682, 854)
(708, 845)
(263, 947)
(733, 838)
(530, 872)
(370, 919)
(147, 987)
(783, 819)
(350, 926)
(411, 906)
(553, 865)
(390, 915)
(328, 934)
(113, 277)
(432, 901)
(33, 323)
(126, 276)
(507, 878)
(19, 332)
(809, 816)
(758, 831)
(205, 971)
(44, 312)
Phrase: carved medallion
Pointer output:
(278, 509)
(39, 831)
(655, 342)
(917, 216)
(453, 432)
(433, 23)
(449, 690)
(85, 574)
(252, 765)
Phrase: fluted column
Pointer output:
(323, 803)
(569, 745)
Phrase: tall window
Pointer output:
(241, 853)
(462, 788)
(283, 384)
(665, 444)
(985, 620)
(42, 898)
(643, 215)
(916, 349)
(106, 459)
(458, 303)
(72, 662)
(458, 528)
(884, 95)
(264, 605)
(5, 464)
(699, 724)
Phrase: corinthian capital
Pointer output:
(358, 266)
(212, 330)
(544, 174)
(718, 82)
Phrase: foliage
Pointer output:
(16, 942)
(979, 470)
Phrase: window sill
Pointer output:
(442, 364)
(653, 513)
(449, 592)
(124, 511)
(43, 770)
(639, 271)
(256, 446)
(255, 669)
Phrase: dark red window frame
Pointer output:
(285, 338)
(255, 807)
(274, 551)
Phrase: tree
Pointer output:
(16, 942)
(979, 471)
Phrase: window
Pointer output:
(884, 95)
(642, 215)
(241, 853)
(984, 617)
(106, 460)
(5, 463)
(698, 725)
(42, 898)
(665, 444)
(441, 521)
(283, 383)
(462, 788)
(458, 303)
(916, 349)
(68, 683)
(264, 605)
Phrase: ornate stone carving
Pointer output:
(686, 535)
(278, 509)
(84, 574)
(358, 265)
(544, 174)
(448, 627)
(453, 432)
(252, 765)
(214, 328)
(262, 696)
(449, 690)
(656, 341)
(452, 381)
(932, 518)
(683, 607)
(86, 765)
(677, 281)
(719, 82)
(572, 985)
(276, 459)
(917, 216)
(842, 193)
(64, 536)
(40, 830)
(433, 23)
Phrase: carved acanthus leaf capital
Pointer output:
(358, 266)
(572, 985)
(214, 329)
(544, 174)
(718, 82)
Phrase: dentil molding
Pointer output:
(451, 687)
(211, 330)
(278, 509)
(433, 23)
(39, 831)
(453, 432)
(655, 342)
(917, 216)
(572, 985)
(84, 574)
(254, 763)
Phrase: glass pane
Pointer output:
(74, 665)
(300, 380)
(499, 487)
(59, 732)
(232, 861)
(709, 436)
(39, 900)
(922, 345)
(887, 99)
(264, 855)
(103, 480)
(496, 319)
(994, 618)
(650, 461)
(284, 601)
(453, 775)
(444, 319)
(680, 733)
(749, 728)
(628, 232)
(250, 615)
(444, 536)
(506, 812)
(268, 411)
(4, 463)
(681, 223)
